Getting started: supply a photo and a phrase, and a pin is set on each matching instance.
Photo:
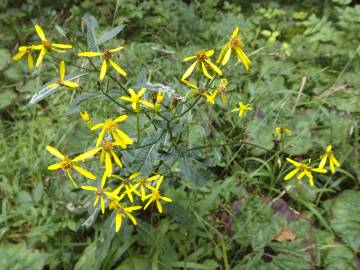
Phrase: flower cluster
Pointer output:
(304, 169)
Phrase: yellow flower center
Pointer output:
(107, 55)
(142, 181)
(236, 42)
(99, 192)
(155, 195)
(201, 55)
(66, 163)
(120, 210)
(135, 98)
(46, 43)
(109, 125)
(107, 146)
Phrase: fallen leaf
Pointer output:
(285, 235)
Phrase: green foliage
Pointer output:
(224, 172)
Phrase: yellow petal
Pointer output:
(166, 199)
(19, 55)
(159, 182)
(90, 54)
(332, 167)
(189, 58)
(117, 68)
(118, 220)
(55, 152)
(295, 163)
(103, 179)
(54, 166)
(226, 57)
(189, 71)
(30, 61)
(242, 57)
(148, 203)
(40, 32)
(236, 30)
(84, 172)
(192, 85)
(133, 208)
(323, 161)
(336, 163)
(70, 84)
(124, 137)
(41, 57)
(209, 53)
(108, 164)
(146, 103)
(97, 126)
(102, 202)
(291, 174)
(121, 118)
(319, 170)
(116, 49)
(90, 188)
(131, 217)
(159, 207)
(103, 70)
(126, 98)
(61, 46)
(101, 136)
(116, 159)
(53, 85)
(328, 148)
(96, 200)
(141, 92)
(206, 73)
(62, 70)
(301, 175)
(214, 67)
(87, 154)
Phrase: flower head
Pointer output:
(66, 164)
(242, 109)
(158, 99)
(235, 43)
(210, 96)
(107, 148)
(203, 63)
(302, 169)
(25, 50)
(221, 88)
(143, 183)
(332, 160)
(127, 183)
(121, 212)
(61, 81)
(135, 99)
(279, 131)
(107, 56)
(100, 194)
(47, 46)
(155, 196)
(85, 116)
(109, 127)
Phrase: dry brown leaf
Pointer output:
(285, 235)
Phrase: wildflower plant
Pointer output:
(148, 119)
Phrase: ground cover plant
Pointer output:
(179, 135)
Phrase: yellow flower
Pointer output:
(129, 187)
(332, 160)
(203, 63)
(62, 82)
(25, 50)
(85, 116)
(155, 196)
(106, 55)
(235, 43)
(121, 212)
(279, 131)
(143, 184)
(66, 164)
(100, 193)
(301, 170)
(107, 153)
(158, 99)
(222, 89)
(242, 109)
(110, 127)
(47, 46)
(210, 96)
(135, 99)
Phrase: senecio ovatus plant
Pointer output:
(127, 194)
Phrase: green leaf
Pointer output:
(91, 23)
(6, 98)
(4, 58)
(345, 218)
(37, 192)
(109, 35)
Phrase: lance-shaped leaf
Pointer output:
(110, 34)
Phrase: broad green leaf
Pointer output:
(110, 34)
